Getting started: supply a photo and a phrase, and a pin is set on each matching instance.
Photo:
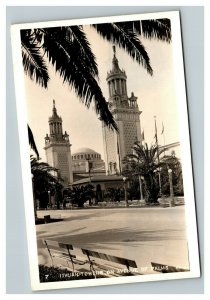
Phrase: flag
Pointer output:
(162, 128)
(142, 135)
(155, 136)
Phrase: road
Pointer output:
(142, 234)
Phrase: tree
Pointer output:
(69, 51)
(79, 195)
(44, 181)
(144, 162)
(173, 163)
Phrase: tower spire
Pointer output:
(115, 61)
(54, 109)
(114, 49)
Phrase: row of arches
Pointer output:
(86, 156)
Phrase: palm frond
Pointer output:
(159, 29)
(42, 170)
(127, 39)
(145, 159)
(72, 68)
(33, 62)
(83, 48)
(32, 142)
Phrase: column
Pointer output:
(125, 87)
(109, 88)
(112, 87)
(121, 91)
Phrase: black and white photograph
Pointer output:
(105, 151)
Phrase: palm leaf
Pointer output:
(145, 159)
(72, 68)
(159, 29)
(83, 48)
(32, 58)
(32, 142)
(127, 39)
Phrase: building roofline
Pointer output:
(99, 178)
(168, 146)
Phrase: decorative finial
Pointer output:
(114, 49)
(54, 108)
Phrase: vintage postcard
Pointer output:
(105, 151)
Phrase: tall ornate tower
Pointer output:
(127, 116)
(57, 148)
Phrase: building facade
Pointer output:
(58, 148)
(127, 116)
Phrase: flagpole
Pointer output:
(164, 144)
(156, 138)
(163, 139)
(118, 151)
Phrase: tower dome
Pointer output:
(85, 153)
(84, 150)
(86, 160)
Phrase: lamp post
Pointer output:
(158, 170)
(50, 204)
(125, 189)
(171, 201)
(158, 158)
(140, 187)
(159, 179)
(89, 165)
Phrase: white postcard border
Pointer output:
(185, 149)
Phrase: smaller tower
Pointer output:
(57, 148)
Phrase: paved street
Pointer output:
(142, 234)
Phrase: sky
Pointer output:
(156, 97)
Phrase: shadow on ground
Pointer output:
(106, 239)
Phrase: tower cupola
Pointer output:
(116, 79)
(55, 124)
